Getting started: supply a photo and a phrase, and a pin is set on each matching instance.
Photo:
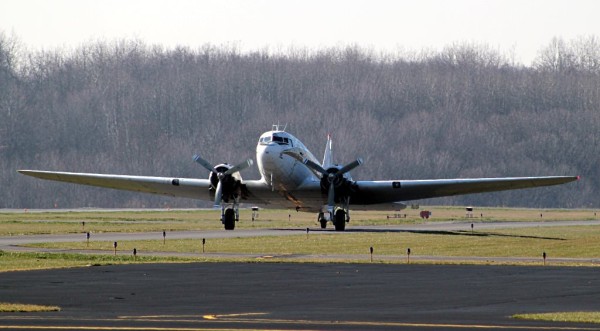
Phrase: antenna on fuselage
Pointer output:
(275, 127)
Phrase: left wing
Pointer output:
(172, 186)
(254, 191)
(374, 192)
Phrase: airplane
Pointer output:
(292, 178)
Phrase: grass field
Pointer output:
(31, 222)
(568, 242)
(571, 317)
(34, 261)
(6, 307)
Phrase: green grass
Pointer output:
(6, 307)
(33, 261)
(568, 242)
(572, 317)
(31, 222)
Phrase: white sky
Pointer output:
(509, 25)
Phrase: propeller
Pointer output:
(221, 175)
(332, 177)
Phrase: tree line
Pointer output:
(126, 107)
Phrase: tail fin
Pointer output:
(328, 156)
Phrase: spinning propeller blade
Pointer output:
(220, 175)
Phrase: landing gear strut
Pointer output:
(229, 216)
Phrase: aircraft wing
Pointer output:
(367, 195)
(171, 186)
(254, 192)
(374, 192)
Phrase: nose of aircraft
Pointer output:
(266, 155)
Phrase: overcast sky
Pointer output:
(509, 25)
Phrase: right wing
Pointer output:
(373, 192)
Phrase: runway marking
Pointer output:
(215, 317)
(234, 318)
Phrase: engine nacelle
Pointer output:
(230, 184)
(343, 185)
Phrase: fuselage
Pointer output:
(282, 171)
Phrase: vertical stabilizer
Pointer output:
(328, 156)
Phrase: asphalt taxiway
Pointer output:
(282, 296)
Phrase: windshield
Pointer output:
(265, 140)
(281, 140)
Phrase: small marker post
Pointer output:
(115, 246)
(164, 237)
(307, 230)
(408, 256)
(135, 254)
(544, 257)
(203, 242)
(471, 228)
(88, 238)
(371, 250)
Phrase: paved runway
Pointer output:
(202, 296)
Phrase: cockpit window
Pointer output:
(265, 140)
(281, 140)
(275, 138)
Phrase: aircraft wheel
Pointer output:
(340, 220)
(323, 221)
(229, 221)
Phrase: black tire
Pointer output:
(229, 221)
(323, 221)
(340, 220)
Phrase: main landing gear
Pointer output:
(339, 219)
(229, 216)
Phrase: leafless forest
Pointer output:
(465, 111)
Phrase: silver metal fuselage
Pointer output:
(283, 172)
